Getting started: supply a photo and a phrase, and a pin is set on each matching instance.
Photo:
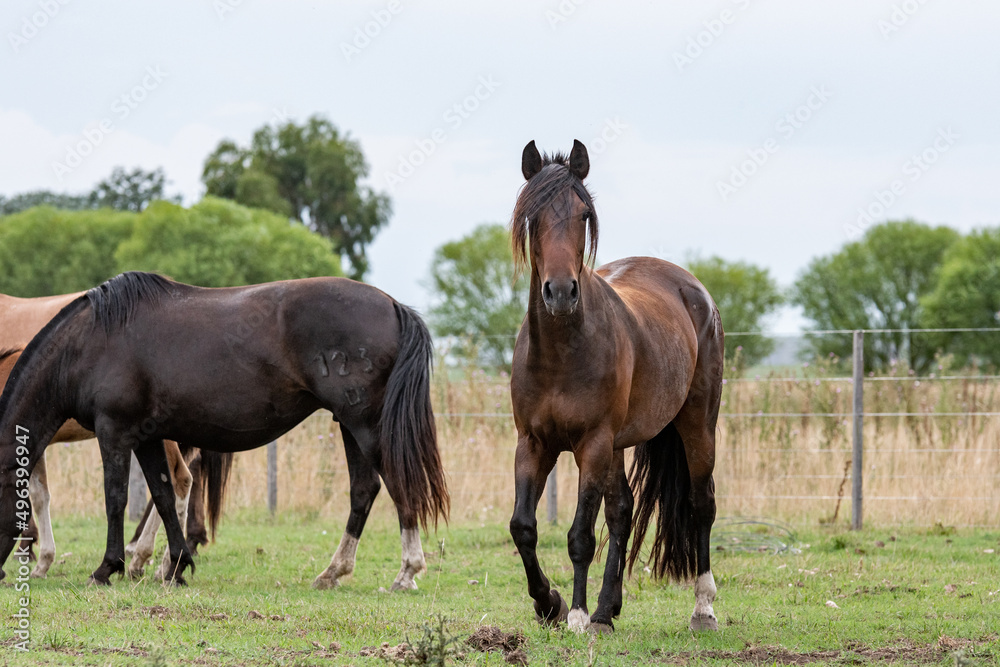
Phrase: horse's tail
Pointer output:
(407, 434)
(661, 482)
(215, 469)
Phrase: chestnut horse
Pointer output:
(142, 358)
(628, 355)
(21, 319)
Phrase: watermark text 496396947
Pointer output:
(22, 511)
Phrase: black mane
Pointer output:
(115, 300)
(537, 193)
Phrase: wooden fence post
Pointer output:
(136, 491)
(552, 494)
(272, 476)
(857, 493)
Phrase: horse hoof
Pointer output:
(557, 602)
(135, 575)
(410, 585)
(598, 628)
(701, 622)
(323, 583)
(93, 581)
(578, 621)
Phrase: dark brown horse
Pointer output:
(142, 358)
(629, 355)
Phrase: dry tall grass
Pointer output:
(918, 470)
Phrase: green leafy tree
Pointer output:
(309, 172)
(24, 201)
(967, 295)
(218, 243)
(474, 297)
(46, 251)
(129, 190)
(876, 282)
(745, 295)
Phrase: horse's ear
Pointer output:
(579, 161)
(531, 161)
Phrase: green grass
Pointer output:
(926, 597)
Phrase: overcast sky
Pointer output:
(750, 129)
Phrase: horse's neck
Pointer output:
(568, 338)
(34, 410)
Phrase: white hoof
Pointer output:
(578, 620)
(322, 583)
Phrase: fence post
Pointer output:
(272, 476)
(857, 473)
(552, 494)
(136, 491)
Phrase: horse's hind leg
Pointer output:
(365, 486)
(699, 448)
(38, 490)
(618, 503)
(532, 464)
(197, 535)
(133, 543)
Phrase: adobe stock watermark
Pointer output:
(22, 545)
(704, 39)
(786, 127)
(224, 8)
(121, 108)
(363, 35)
(900, 15)
(454, 117)
(912, 170)
(613, 128)
(34, 23)
(563, 11)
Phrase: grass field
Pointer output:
(912, 597)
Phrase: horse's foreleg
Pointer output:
(38, 490)
(618, 504)
(365, 486)
(181, 479)
(196, 532)
(143, 547)
(115, 459)
(130, 547)
(594, 457)
(532, 464)
(153, 461)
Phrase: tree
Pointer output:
(218, 243)
(129, 190)
(310, 173)
(745, 295)
(474, 296)
(24, 201)
(876, 282)
(46, 251)
(967, 295)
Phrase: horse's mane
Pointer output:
(115, 300)
(537, 193)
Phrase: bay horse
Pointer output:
(230, 369)
(20, 320)
(628, 355)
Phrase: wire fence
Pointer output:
(813, 445)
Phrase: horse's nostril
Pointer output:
(547, 291)
(574, 292)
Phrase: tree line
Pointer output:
(901, 275)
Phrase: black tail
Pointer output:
(661, 482)
(215, 468)
(407, 434)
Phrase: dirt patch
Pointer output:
(771, 655)
(396, 653)
(491, 638)
(156, 611)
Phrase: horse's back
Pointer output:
(21, 319)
